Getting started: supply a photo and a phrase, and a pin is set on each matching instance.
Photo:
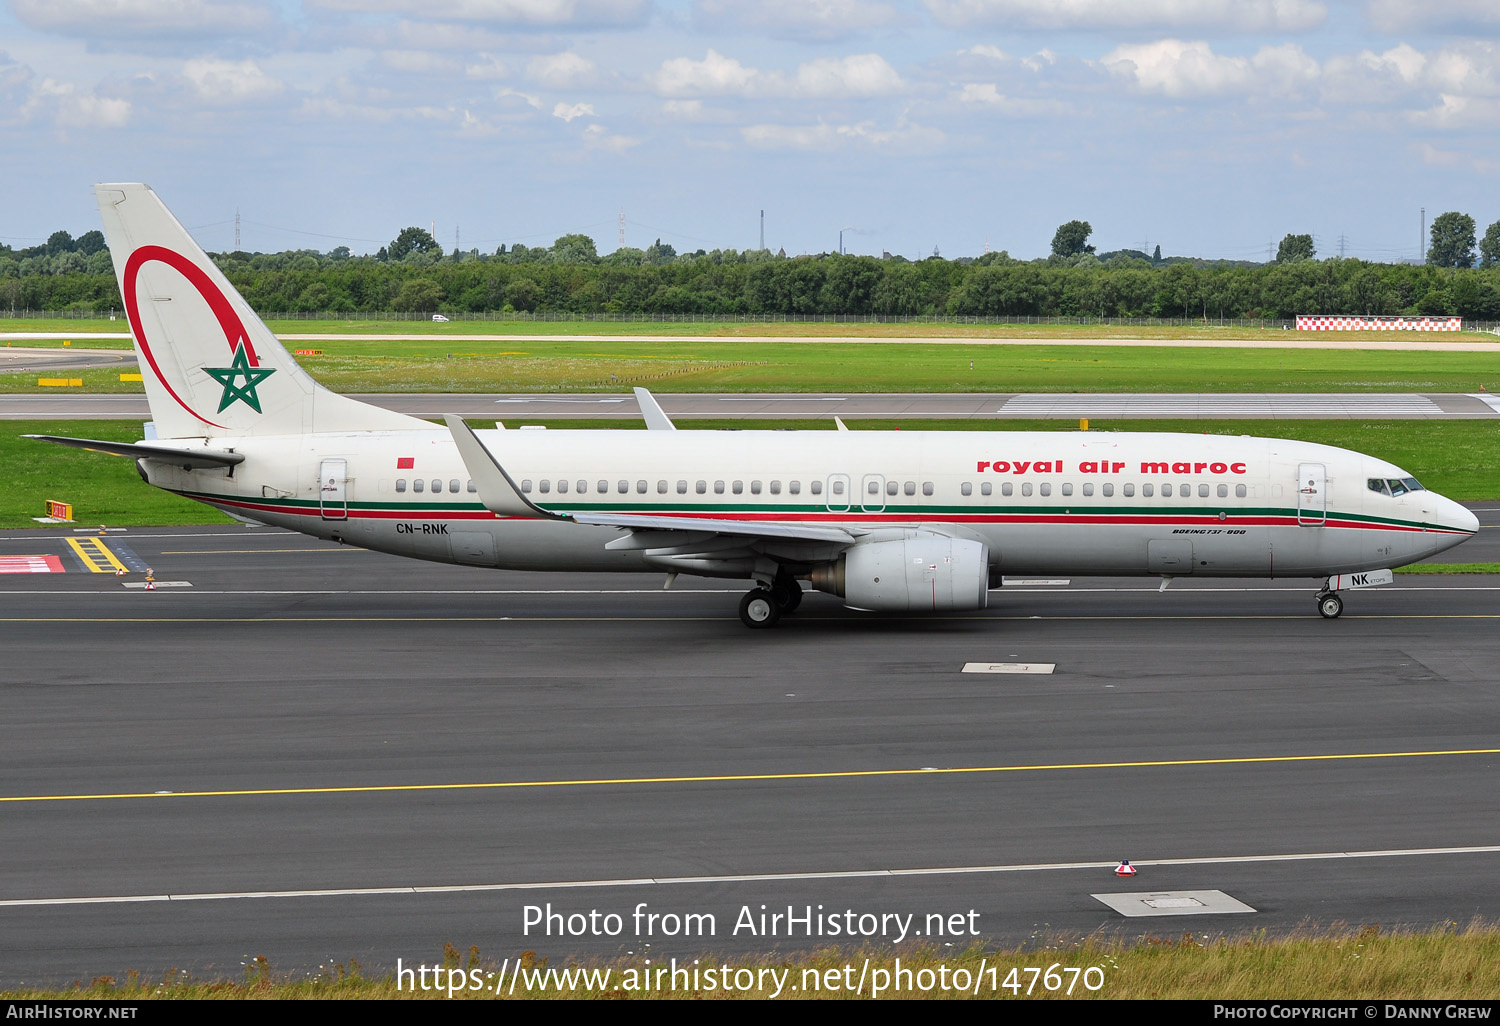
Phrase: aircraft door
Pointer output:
(872, 493)
(333, 489)
(837, 495)
(1312, 494)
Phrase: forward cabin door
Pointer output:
(1312, 494)
(333, 489)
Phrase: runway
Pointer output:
(853, 406)
(316, 753)
(15, 360)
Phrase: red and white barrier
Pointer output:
(1307, 322)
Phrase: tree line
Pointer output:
(414, 274)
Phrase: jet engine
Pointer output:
(918, 572)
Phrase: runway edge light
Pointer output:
(1124, 868)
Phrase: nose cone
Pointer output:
(1453, 524)
(1459, 518)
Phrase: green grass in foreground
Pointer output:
(1450, 568)
(1453, 457)
(1344, 964)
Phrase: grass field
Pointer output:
(1454, 457)
(388, 365)
(1443, 964)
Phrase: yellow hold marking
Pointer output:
(59, 382)
(96, 555)
(131, 377)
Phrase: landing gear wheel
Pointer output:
(759, 609)
(1330, 606)
(788, 595)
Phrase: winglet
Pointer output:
(651, 412)
(496, 490)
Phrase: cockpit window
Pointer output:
(1378, 485)
(1395, 485)
(1398, 488)
(1412, 484)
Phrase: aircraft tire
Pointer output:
(759, 609)
(1330, 606)
(788, 595)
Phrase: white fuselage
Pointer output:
(1073, 503)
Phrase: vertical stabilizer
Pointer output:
(211, 367)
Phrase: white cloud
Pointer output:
(866, 74)
(1424, 15)
(135, 18)
(597, 137)
(569, 111)
(530, 99)
(1191, 69)
(987, 51)
(70, 107)
(419, 62)
(796, 20)
(823, 136)
(1466, 69)
(1211, 15)
(516, 13)
(987, 94)
(1461, 112)
(565, 70)
(230, 82)
(487, 68)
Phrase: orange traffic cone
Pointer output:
(120, 572)
(151, 586)
(1123, 869)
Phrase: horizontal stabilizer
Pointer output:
(191, 459)
(496, 490)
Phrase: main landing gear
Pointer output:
(763, 607)
(1329, 605)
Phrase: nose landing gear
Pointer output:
(1329, 605)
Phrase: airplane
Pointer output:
(887, 521)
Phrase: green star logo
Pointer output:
(238, 368)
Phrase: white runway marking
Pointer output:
(669, 881)
(1173, 903)
(1210, 405)
(1008, 668)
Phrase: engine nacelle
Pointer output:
(921, 572)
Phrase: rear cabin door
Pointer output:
(333, 489)
(1312, 494)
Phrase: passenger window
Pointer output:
(661, 488)
(702, 487)
(681, 487)
(623, 487)
(1088, 488)
(437, 485)
(1006, 488)
(985, 488)
(1145, 491)
(1026, 488)
(453, 485)
(718, 487)
(1239, 491)
(543, 486)
(838, 488)
(640, 487)
(775, 487)
(562, 488)
(738, 487)
(967, 488)
(926, 487)
(817, 487)
(419, 484)
(583, 487)
(1127, 491)
(754, 487)
(911, 488)
(1166, 491)
(794, 487)
(1203, 491)
(1046, 488)
(1223, 491)
(1108, 490)
(1067, 488)
(892, 487)
(874, 488)
(472, 489)
(602, 487)
(401, 485)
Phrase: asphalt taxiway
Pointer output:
(313, 753)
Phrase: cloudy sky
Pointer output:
(1209, 127)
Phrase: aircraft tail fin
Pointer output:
(211, 367)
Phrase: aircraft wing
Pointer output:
(192, 459)
(500, 495)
